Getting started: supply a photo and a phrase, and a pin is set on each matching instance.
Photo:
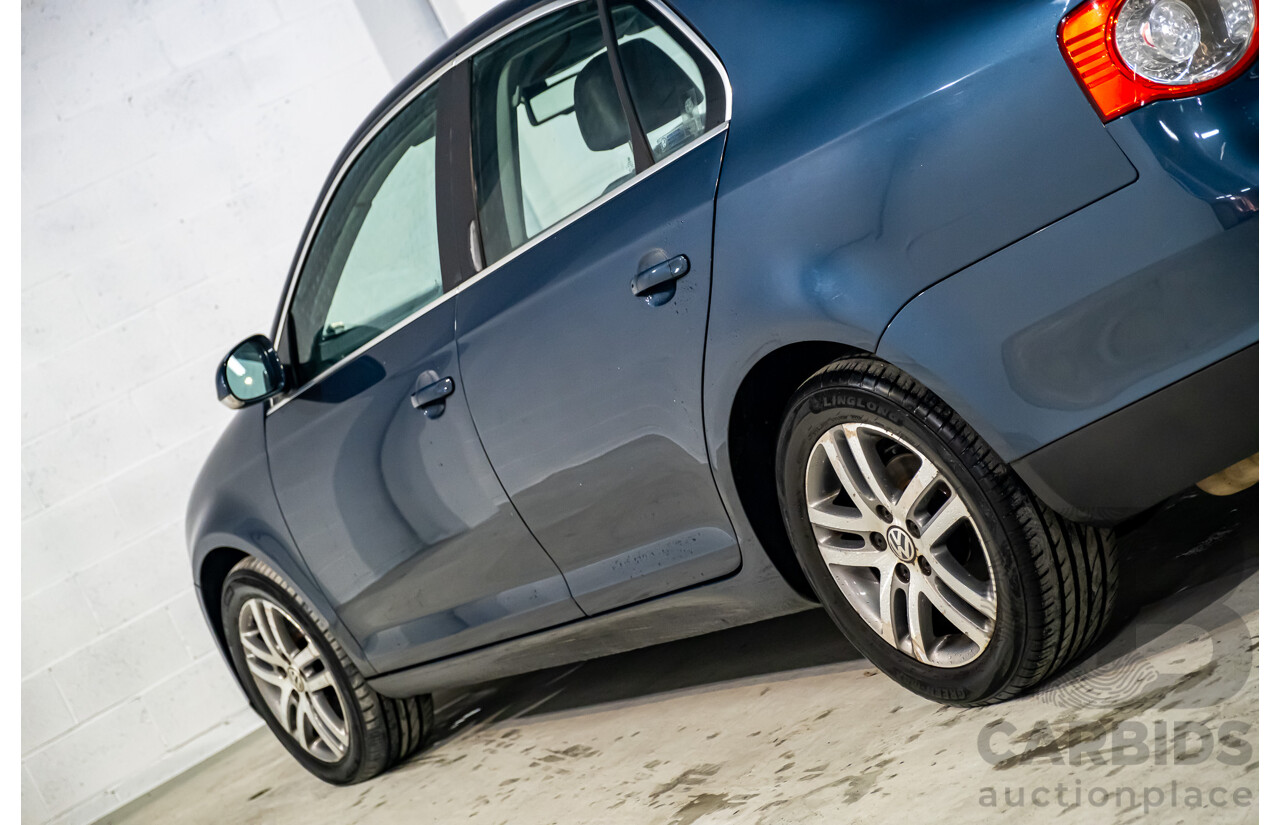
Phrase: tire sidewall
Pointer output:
(239, 587)
(819, 408)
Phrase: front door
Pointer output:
(377, 467)
(582, 342)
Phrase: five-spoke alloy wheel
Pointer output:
(928, 552)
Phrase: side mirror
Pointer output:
(250, 373)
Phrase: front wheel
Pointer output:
(306, 688)
(929, 553)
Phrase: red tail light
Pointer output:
(1127, 53)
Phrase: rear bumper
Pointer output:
(1153, 448)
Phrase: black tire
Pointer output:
(382, 731)
(1055, 580)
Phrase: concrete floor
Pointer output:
(782, 722)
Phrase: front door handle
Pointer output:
(429, 393)
(658, 276)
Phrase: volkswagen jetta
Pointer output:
(621, 321)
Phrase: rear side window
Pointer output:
(677, 92)
(548, 131)
(376, 255)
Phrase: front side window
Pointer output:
(376, 256)
(548, 130)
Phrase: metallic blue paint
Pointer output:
(840, 201)
(1112, 303)
(399, 516)
(922, 180)
(588, 398)
(233, 509)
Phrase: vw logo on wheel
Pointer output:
(900, 543)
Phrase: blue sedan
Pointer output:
(620, 321)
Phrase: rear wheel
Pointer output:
(306, 688)
(925, 548)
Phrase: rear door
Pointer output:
(377, 466)
(581, 341)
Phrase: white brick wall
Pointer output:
(171, 153)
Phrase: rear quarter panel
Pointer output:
(875, 149)
(1114, 302)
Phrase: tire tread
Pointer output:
(394, 729)
(1075, 565)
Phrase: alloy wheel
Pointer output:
(900, 544)
(294, 679)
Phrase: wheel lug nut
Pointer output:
(878, 542)
(902, 572)
(913, 529)
(924, 567)
(883, 513)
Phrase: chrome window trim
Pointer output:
(534, 14)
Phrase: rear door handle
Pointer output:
(429, 393)
(659, 275)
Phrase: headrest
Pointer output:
(659, 89)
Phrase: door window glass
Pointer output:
(676, 91)
(376, 255)
(548, 130)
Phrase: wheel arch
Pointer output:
(222, 552)
(214, 568)
(754, 420)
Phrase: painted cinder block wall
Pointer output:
(171, 151)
